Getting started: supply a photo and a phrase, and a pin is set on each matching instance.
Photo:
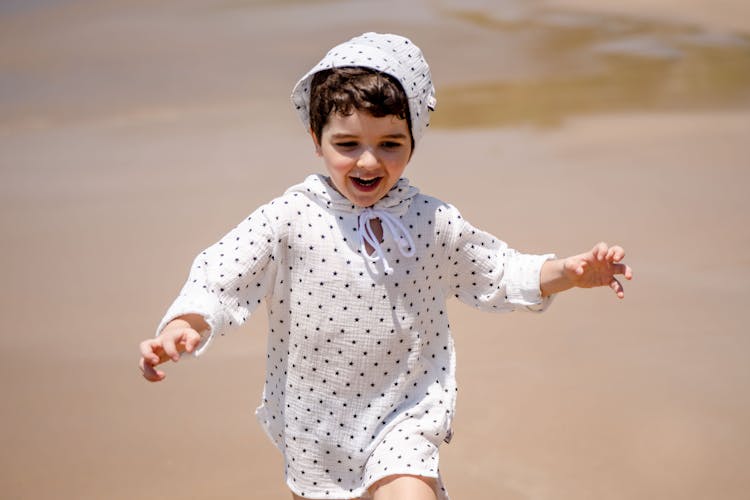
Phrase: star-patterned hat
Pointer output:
(391, 54)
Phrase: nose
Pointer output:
(367, 159)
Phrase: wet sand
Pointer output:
(133, 134)
(721, 15)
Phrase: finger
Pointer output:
(170, 349)
(192, 341)
(149, 373)
(617, 287)
(600, 250)
(618, 268)
(581, 265)
(148, 350)
(615, 253)
(623, 269)
(574, 265)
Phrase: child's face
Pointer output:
(365, 156)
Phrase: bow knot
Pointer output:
(398, 232)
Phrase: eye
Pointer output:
(346, 144)
(391, 144)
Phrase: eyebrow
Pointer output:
(342, 135)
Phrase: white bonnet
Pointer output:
(391, 54)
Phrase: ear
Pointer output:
(318, 151)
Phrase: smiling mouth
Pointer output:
(366, 183)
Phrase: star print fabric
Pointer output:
(360, 369)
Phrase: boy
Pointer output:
(355, 269)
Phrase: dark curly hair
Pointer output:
(343, 90)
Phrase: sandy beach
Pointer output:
(134, 134)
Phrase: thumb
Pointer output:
(192, 339)
(575, 265)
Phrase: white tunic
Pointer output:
(360, 380)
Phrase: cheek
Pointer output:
(398, 165)
(337, 165)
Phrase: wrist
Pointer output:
(553, 278)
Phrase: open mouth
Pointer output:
(366, 184)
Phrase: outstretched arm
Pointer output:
(597, 267)
(182, 334)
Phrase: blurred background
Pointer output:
(135, 133)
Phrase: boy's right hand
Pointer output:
(177, 337)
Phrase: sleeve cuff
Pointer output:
(523, 282)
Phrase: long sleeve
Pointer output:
(487, 274)
(228, 280)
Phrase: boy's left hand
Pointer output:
(598, 267)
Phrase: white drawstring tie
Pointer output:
(398, 231)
